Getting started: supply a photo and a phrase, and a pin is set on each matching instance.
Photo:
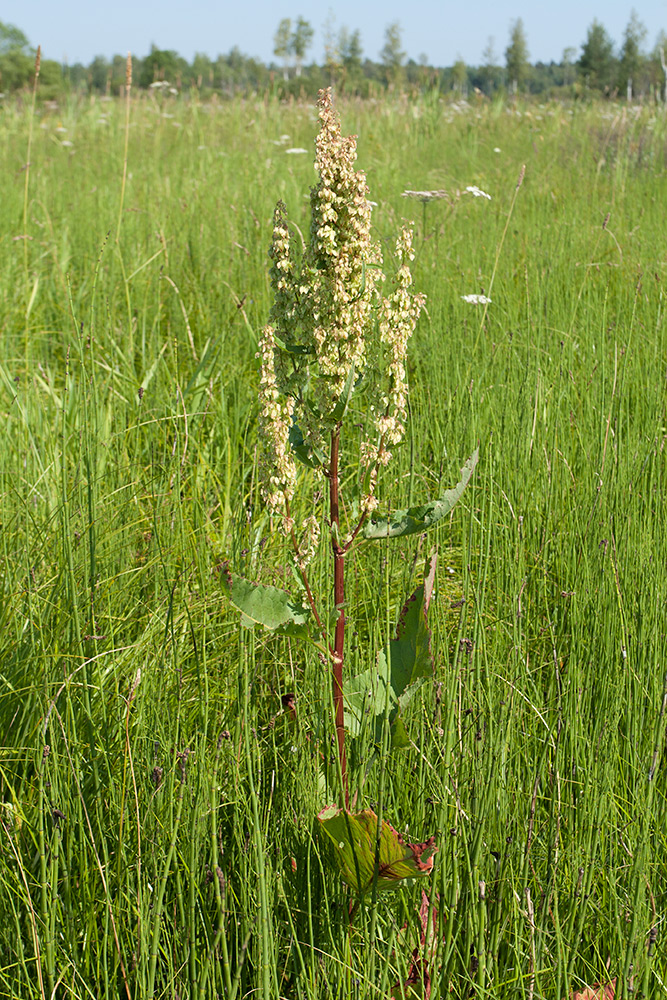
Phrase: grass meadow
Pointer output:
(157, 802)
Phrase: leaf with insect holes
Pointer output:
(267, 606)
(354, 838)
(418, 519)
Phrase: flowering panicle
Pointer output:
(398, 315)
(330, 325)
(309, 541)
(282, 271)
(338, 293)
(277, 466)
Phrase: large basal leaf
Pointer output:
(354, 838)
(267, 606)
(418, 519)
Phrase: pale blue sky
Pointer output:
(77, 30)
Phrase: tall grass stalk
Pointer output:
(26, 184)
(128, 101)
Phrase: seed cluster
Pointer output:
(330, 329)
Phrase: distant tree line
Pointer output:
(628, 70)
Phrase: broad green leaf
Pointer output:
(366, 697)
(354, 837)
(295, 348)
(402, 667)
(302, 451)
(418, 519)
(399, 734)
(410, 652)
(267, 606)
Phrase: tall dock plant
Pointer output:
(336, 346)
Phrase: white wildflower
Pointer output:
(296, 149)
(477, 192)
(425, 196)
(476, 300)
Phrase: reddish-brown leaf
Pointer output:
(418, 982)
(598, 991)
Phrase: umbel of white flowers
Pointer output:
(332, 333)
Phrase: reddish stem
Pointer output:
(339, 603)
(304, 577)
(356, 531)
(363, 517)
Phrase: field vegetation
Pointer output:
(161, 766)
